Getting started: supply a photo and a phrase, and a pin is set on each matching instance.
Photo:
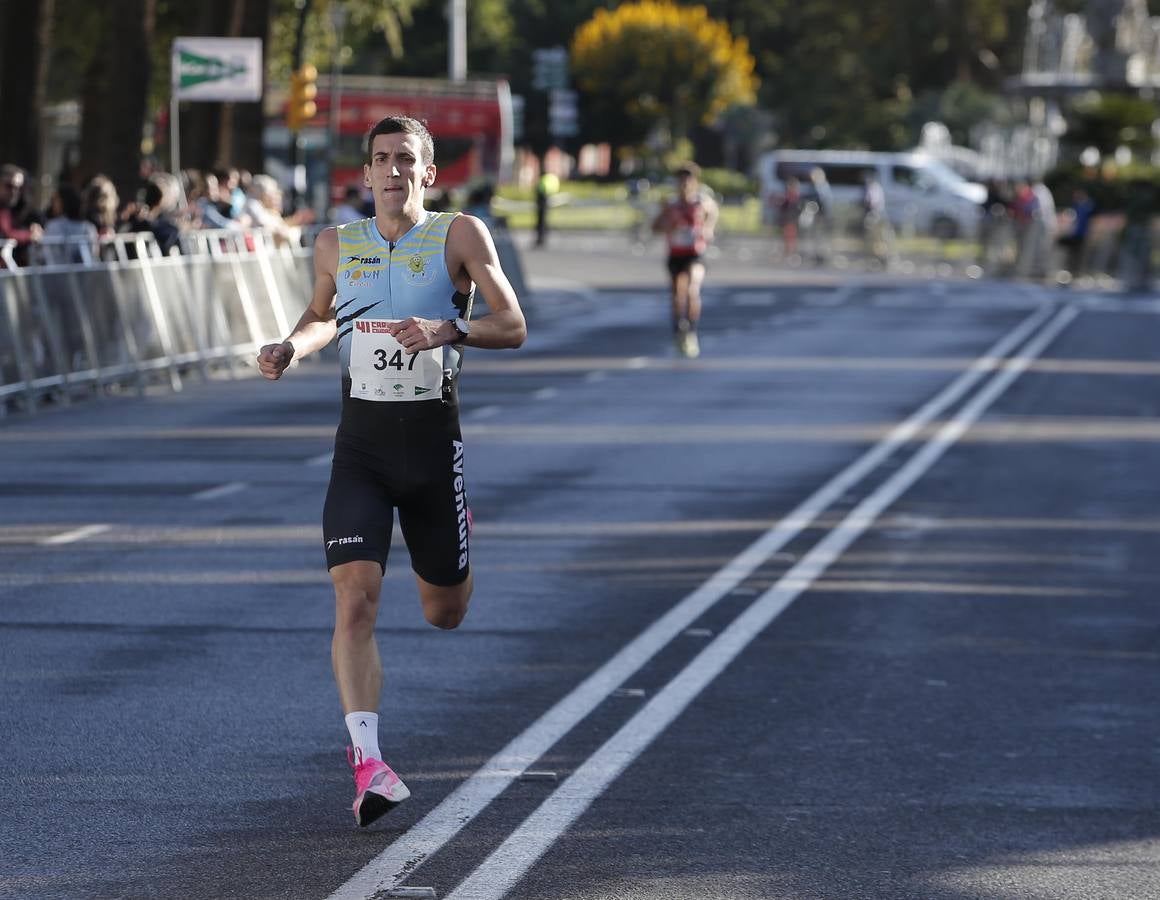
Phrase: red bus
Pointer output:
(471, 122)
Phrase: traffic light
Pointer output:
(300, 109)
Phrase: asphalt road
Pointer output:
(860, 604)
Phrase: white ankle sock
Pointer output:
(364, 734)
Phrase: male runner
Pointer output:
(687, 221)
(397, 289)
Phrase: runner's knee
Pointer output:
(445, 607)
(445, 617)
(356, 602)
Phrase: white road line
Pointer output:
(77, 534)
(752, 298)
(322, 459)
(398, 861)
(222, 490)
(504, 867)
(483, 412)
(545, 393)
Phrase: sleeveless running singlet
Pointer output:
(378, 281)
(687, 238)
(391, 455)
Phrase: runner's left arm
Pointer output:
(712, 213)
(471, 254)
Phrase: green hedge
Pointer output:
(729, 184)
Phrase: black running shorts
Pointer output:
(406, 457)
(679, 264)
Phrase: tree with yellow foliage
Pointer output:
(653, 63)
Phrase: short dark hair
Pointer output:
(70, 201)
(689, 169)
(404, 125)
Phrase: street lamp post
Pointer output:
(457, 39)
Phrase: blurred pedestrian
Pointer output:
(231, 192)
(1136, 237)
(993, 226)
(157, 212)
(788, 207)
(547, 186)
(687, 221)
(206, 205)
(264, 208)
(877, 233)
(351, 208)
(1077, 222)
(1024, 214)
(638, 229)
(821, 224)
(100, 201)
(68, 236)
(18, 221)
(1044, 230)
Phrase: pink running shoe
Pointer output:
(378, 789)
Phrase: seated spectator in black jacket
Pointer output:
(18, 220)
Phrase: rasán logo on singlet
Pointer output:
(365, 260)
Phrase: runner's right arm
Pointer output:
(660, 223)
(316, 328)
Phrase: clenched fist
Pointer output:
(274, 358)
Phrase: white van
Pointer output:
(923, 195)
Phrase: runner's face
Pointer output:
(10, 187)
(396, 173)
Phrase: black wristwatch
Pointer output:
(462, 328)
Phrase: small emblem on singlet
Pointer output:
(418, 270)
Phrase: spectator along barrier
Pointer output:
(89, 318)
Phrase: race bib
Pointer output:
(381, 370)
(684, 238)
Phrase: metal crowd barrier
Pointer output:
(131, 317)
(89, 318)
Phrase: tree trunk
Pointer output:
(116, 94)
(24, 51)
(201, 121)
(242, 146)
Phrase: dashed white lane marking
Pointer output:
(545, 393)
(753, 298)
(484, 412)
(598, 375)
(399, 861)
(503, 868)
(222, 490)
(322, 459)
(77, 534)
(828, 298)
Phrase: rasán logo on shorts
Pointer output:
(356, 539)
